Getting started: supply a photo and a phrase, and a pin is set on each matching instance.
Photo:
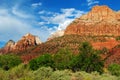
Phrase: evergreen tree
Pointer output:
(62, 58)
(88, 59)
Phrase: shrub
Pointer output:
(118, 38)
(3, 75)
(61, 75)
(9, 61)
(42, 61)
(114, 69)
(81, 75)
(43, 73)
(107, 77)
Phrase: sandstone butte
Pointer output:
(100, 21)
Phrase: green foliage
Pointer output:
(61, 75)
(86, 49)
(118, 38)
(33, 64)
(88, 60)
(62, 59)
(3, 75)
(81, 75)
(114, 69)
(44, 60)
(22, 72)
(9, 61)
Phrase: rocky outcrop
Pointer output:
(24, 43)
(101, 20)
(113, 56)
(8, 46)
(27, 41)
(56, 34)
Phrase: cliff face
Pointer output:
(101, 20)
(114, 56)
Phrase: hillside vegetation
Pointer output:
(70, 41)
(67, 41)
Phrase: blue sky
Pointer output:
(42, 17)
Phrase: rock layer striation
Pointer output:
(101, 20)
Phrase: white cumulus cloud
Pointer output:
(64, 18)
(91, 3)
(19, 13)
(36, 4)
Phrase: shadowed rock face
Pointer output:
(9, 45)
(101, 20)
